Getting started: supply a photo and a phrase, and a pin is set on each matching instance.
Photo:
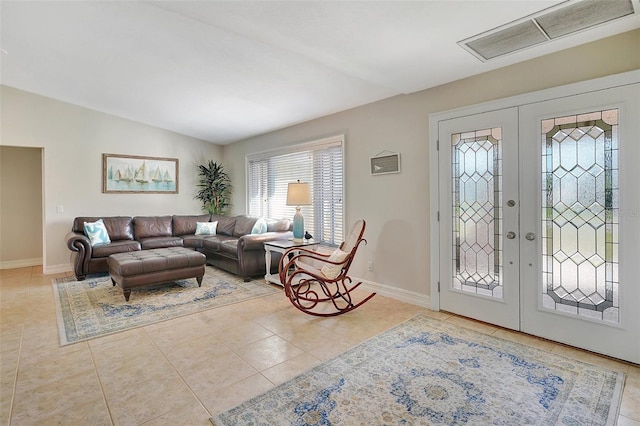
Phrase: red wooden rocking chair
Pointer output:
(324, 291)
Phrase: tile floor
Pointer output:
(182, 371)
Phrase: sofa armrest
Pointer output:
(251, 242)
(80, 244)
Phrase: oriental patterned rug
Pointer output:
(95, 308)
(427, 372)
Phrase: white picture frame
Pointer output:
(384, 164)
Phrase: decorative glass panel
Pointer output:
(580, 215)
(477, 211)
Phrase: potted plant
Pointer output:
(215, 187)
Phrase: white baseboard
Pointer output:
(23, 263)
(402, 295)
(57, 269)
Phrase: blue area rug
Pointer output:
(94, 307)
(429, 372)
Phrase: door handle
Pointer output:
(511, 235)
(530, 236)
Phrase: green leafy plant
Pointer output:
(215, 187)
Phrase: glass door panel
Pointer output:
(477, 211)
(478, 163)
(580, 215)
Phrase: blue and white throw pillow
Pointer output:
(260, 226)
(96, 232)
(206, 228)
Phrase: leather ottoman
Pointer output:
(146, 267)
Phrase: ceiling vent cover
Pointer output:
(545, 26)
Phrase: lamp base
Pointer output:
(298, 226)
(298, 240)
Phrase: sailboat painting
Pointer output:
(137, 174)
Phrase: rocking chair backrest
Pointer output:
(351, 242)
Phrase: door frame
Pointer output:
(587, 86)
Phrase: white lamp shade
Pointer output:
(298, 194)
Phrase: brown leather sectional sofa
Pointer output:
(234, 248)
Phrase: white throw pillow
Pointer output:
(331, 271)
(96, 232)
(206, 228)
(260, 227)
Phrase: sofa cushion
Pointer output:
(151, 226)
(260, 226)
(186, 225)
(195, 241)
(244, 225)
(96, 232)
(229, 247)
(213, 243)
(226, 224)
(206, 228)
(114, 247)
(281, 225)
(160, 242)
(118, 227)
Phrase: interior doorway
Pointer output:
(21, 208)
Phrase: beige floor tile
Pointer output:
(120, 351)
(33, 401)
(332, 348)
(192, 414)
(83, 412)
(195, 351)
(268, 352)
(625, 421)
(231, 396)
(5, 408)
(219, 372)
(133, 334)
(630, 406)
(33, 372)
(283, 321)
(149, 400)
(242, 334)
(120, 376)
(309, 336)
(290, 368)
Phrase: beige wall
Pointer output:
(73, 141)
(396, 206)
(20, 207)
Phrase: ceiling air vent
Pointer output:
(545, 26)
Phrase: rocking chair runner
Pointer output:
(324, 291)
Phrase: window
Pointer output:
(318, 163)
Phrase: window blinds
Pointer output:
(320, 164)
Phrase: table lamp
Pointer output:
(298, 194)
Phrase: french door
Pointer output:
(540, 219)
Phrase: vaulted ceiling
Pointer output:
(223, 71)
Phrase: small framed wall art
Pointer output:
(384, 163)
(139, 175)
